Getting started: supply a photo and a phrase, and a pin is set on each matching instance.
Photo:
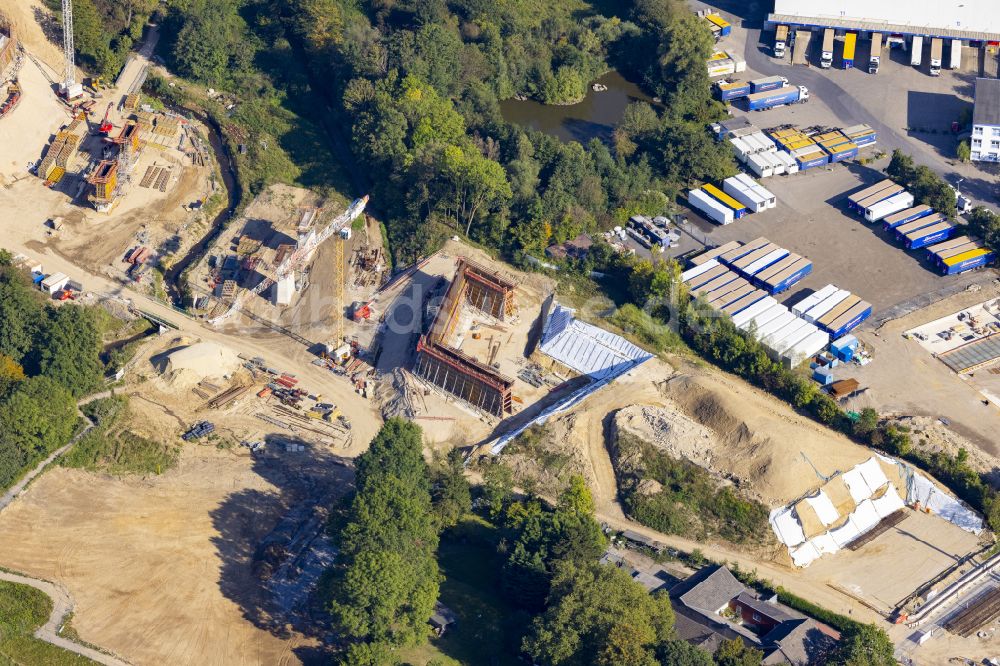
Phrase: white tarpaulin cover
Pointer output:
(824, 543)
(855, 482)
(787, 526)
(889, 503)
(922, 490)
(588, 349)
(846, 533)
(874, 476)
(865, 516)
(805, 554)
(824, 508)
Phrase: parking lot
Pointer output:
(811, 219)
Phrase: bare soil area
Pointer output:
(154, 563)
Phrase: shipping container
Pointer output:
(712, 209)
(760, 320)
(745, 195)
(760, 165)
(728, 90)
(787, 261)
(817, 311)
(892, 190)
(791, 166)
(850, 43)
(722, 280)
(718, 297)
(784, 280)
(967, 261)
(768, 83)
(793, 330)
(698, 269)
(724, 27)
(806, 348)
(928, 235)
(779, 97)
(943, 256)
(54, 282)
(710, 255)
(739, 210)
(854, 199)
(850, 320)
(842, 152)
(905, 216)
(814, 299)
(933, 250)
(818, 158)
(736, 253)
(837, 310)
(771, 158)
(763, 141)
(761, 191)
(748, 301)
(893, 204)
(902, 229)
(776, 324)
(956, 54)
(916, 50)
(758, 308)
(706, 277)
(764, 262)
(731, 296)
(789, 341)
(741, 149)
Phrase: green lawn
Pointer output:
(489, 629)
(22, 610)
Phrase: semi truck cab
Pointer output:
(875, 56)
(780, 40)
(826, 60)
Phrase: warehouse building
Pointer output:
(986, 121)
(968, 20)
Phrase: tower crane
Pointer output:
(306, 246)
(69, 88)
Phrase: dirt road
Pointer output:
(62, 604)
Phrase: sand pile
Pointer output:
(186, 366)
(669, 429)
(772, 451)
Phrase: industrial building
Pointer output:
(442, 364)
(986, 121)
(968, 20)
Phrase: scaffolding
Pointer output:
(464, 377)
(105, 182)
(448, 368)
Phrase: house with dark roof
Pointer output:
(712, 606)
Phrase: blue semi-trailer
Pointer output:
(769, 99)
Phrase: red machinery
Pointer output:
(106, 125)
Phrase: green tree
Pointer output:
(901, 168)
(963, 152)
(474, 183)
(735, 652)
(597, 615)
(20, 313)
(498, 487)
(386, 579)
(37, 417)
(450, 490)
(682, 653)
(864, 645)
(10, 374)
(577, 499)
(67, 348)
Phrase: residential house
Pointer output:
(985, 140)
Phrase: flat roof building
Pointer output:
(985, 140)
(976, 20)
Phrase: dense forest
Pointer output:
(49, 357)
(406, 93)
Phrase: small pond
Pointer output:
(593, 118)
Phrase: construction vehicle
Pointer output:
(306, 246)
(361, 311)
(106, 124)
(13, 97)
